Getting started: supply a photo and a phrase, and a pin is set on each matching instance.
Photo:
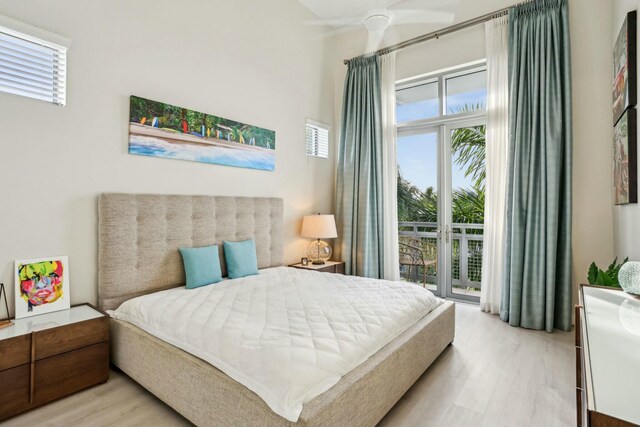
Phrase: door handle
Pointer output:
(447, 233)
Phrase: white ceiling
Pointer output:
(331, 9)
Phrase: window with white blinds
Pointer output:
(317, 139)
(32, 67)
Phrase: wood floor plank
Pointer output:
(493, 375)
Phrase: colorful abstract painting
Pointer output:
(163, 130)
(42, 286)
(625, 159)
(624, 68)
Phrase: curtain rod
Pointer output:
(438, 33)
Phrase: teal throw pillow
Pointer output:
(241, 258)
(201, 266)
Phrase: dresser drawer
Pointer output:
(15, 391)
(59, 340)
(69, 372)
(15, 352)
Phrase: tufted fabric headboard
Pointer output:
(139, 236)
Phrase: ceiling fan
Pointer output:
(377, 20)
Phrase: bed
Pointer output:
(138, 240)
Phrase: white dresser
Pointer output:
(607, 357)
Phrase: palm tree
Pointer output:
(237, 134)
(468, 206)
(408, 199)
(469, 146)
(422, 206)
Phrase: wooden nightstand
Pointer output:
(45, 357)
(327, 267)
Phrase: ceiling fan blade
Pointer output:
(423, 4)
(340, 30)
(340, 22)
(408, 16)
(333, 32)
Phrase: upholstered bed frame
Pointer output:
(139, 237)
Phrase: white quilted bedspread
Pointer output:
(286, 334)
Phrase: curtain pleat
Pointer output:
(389, 167)
(536, 291)
(497, 162)
(359, 187)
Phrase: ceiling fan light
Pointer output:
(376, 22)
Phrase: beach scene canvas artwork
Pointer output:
(163, 130)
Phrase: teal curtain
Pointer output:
(359, 181)
(537, 288)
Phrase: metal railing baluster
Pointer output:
(469, 265)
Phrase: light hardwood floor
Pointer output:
(492, 375)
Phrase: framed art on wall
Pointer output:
(42, 286)
(625, 179)
(624, 68)
(162, 130)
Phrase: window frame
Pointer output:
(414, 82)
(31, 34)
(441, 77)
(442, 126)
(319, 128)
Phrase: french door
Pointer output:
(443, 247)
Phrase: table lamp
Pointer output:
(319, 227)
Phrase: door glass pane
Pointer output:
(418, 208)
(417, 102)
(467, 207)
(467, 92)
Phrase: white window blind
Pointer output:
(32, 67)
(317, 139)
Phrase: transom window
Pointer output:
(442, 94)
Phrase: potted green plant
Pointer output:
(597, 276)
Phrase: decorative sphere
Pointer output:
(629, 315)
(629, 277)
(319, 251)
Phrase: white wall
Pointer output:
(590, 28)
(251, 61)
(627, 217)
(591, 58)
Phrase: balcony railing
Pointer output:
(466, 266)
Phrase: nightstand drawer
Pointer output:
(67, 373)
(15, 391)
(61, 352)
(60, 340)
(15, 352)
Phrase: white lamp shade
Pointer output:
(319, 227)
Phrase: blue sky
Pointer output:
(417, 154)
